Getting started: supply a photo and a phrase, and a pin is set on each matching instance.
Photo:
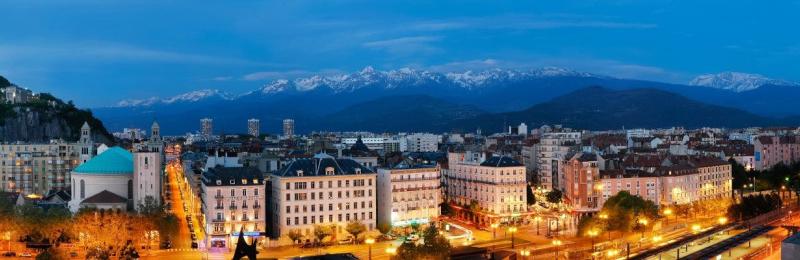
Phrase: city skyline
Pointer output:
(86, 46)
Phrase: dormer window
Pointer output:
(358, 170)
(244, 181)
(300, 173)
(232, 181)
(219, 182)
(329, 171)
(255, 181)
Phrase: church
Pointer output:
(118, 178)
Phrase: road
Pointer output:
(177, 199)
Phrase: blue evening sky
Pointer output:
(99, 52)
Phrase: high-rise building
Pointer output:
(254, 127)
(206, 127)
(288, 127)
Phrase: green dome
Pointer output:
(115, 160)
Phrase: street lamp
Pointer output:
(696, 228)
(593, 233)
(643, 223)
(369, 242)
(512, 230)
(494, 230)
(537, 219)
(667, 212)
(556, 243)
(722, 220)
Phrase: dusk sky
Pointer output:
(97, 53)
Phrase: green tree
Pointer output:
(554, 196)
(321, 232)
(355, 228)
(436, 245)
(149, 207)
(294, 235)
(624, 210)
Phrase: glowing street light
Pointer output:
(696, 228)
(512, 230)
(593, 233)
(557, 243)
(657, 239)
(722, 220)
(494, 230)
(537, 219)
(369, 242)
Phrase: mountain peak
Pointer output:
(192, 96)
(737, 81)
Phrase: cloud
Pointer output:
(222, 78)
(96, 51)
(405, 45)
(287, 74)
(524, 22)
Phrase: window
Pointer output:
(244, 192)
(233, 193)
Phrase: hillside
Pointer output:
(45, 118)
(399, 113)
(599, 108)
(310, 98)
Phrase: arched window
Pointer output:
(83, 189)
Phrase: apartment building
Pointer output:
(408, 193)
(553, 149)
(493, 189)
(37, 168)
(771, 150)
(582, 187)
(322, 190)
(233, 200)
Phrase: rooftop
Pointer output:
(115, 160)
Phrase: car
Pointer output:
(9, 254)
(73, 254)
(166, 244)
(194, 244)
(194, 237)
(412, 237)
(25, 254)
(348, 240)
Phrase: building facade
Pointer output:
(408, 193)
(553, 149)
(288, 128)
(322, 191)
(254, 127)
(488, 192)
(233, 200)
(206, 127)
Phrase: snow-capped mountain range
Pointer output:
(192, 96)
(370, 77)
(737, 81)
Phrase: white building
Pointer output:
(420, 142)
(288, 128)
(233, 201)
(322, 190)
(408, 193)
(254, 127)
(148, 169)
(496, 186)
(552, 150)
(206, 127)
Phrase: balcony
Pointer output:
(219, 207)
(217, 220)
(218, 196)
(256, 206)
(232, 207)
(418, 179)
(244, 206)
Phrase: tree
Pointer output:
(447, 210)
(531, 197)
(321, 232)
(739, 174)
(624, 210)
(150, 207)
(167, 225)
(355, 228)
(294, 235)
(554, 196)
(436, 245)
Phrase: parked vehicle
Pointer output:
(194, 244)
(9, 254)
(348, 240)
